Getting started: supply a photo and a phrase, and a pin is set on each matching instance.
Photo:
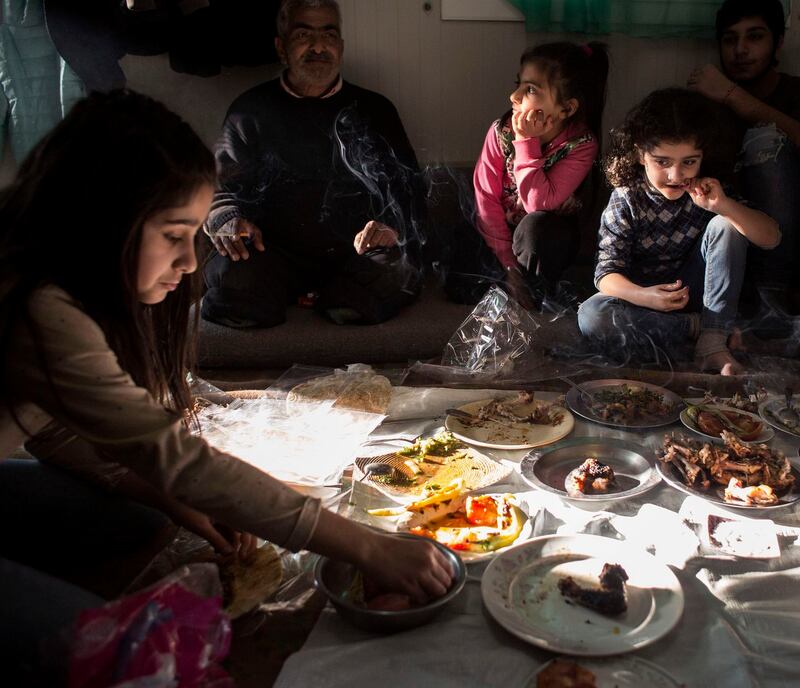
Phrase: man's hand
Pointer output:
(707, 193)
(229, 240)
(665, 297)
(375, 235)
(531, 124)
(712, 83)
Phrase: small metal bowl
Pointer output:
(335, 577)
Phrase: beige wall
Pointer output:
(448, 79)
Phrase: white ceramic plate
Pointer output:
(497, 434)
(525, 533)
(580, 405)
(520, 590)
(619, 672)
(770, 407)
(767, 433)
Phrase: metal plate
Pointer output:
(632, 464)
(715, 496)
(578, 404)
(766, 411)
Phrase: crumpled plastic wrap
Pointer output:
(294, 595)
(497, 331)
(173, 633)
(305, 443)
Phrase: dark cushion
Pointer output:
(419, 332)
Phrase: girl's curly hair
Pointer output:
(671, 115)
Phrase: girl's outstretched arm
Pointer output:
(758, 227)
(413, 566)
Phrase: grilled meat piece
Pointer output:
(591, 477)
(762, 495)
(608, 599)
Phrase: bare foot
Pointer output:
(736, 341)
(724, 362)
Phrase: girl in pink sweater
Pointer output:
(534, 159)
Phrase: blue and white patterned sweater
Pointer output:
(645, 236)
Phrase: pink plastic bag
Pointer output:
(171, 634)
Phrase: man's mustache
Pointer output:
(318, 57)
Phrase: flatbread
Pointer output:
(355, 391)
(247, 584)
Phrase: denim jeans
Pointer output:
(713, 271)
(50, 521)
(769, 165)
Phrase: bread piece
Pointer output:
(355, 391)
(248, 584)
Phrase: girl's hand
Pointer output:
(531, 124)
(375, 235)
(411, 566)
(706, 193)
(665, 297)
(220, 537)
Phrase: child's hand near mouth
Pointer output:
(530, 124)
(707, 193)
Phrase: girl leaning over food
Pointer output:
(97, 276)
(534, 158)
(672, 242)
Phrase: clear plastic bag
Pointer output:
(173, 633)
(497, 331)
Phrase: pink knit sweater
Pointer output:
(538, 189)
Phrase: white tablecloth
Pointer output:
(740, 626)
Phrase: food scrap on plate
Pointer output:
(628, 403)
(429, 465)
(608, 599)
(712, 420)
(520, 409)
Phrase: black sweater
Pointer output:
(310, 172)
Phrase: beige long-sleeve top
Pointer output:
(91, 416)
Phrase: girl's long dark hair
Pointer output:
(575, 71)
(74, 216)
(671, 115)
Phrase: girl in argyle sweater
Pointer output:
(672, 243)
